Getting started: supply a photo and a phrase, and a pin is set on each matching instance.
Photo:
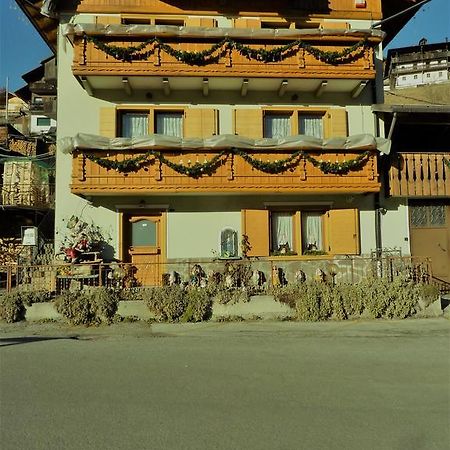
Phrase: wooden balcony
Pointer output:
(417, 175)
(232, 175)
(90, 61)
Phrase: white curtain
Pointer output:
(170, 124)
(282, 230)
(277, 126)
(312, 231)
(311, 125)
(134, 125)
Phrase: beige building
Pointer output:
(185, 128)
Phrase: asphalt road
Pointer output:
(352, 385)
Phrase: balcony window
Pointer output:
(134, 124)
(277, 125)
(311, 125)
(43, 121)
(169, 123)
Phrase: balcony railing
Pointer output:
(32, 195)
(232, 174)
(420, 175)
(90, 58)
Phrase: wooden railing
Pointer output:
(233, 175)
(420, 175)
(89, 60)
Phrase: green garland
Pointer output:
(447, 162)
(197, 170)
(212, 55)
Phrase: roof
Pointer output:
(421, 109)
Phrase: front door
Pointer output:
(430, 235)
(142, 239)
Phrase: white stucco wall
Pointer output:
(395, 225)
(35, 128)
(197, 234)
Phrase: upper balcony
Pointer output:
(418, 175)
(158, 57)
(223, 164)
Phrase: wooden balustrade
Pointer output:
(90, 61)
(420, 175)
(233, 175)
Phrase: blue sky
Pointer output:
(22, 49)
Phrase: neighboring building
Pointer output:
(418, 65)
(168, 105)
(418, 169)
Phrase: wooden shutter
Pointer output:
(200, 123)
(343, 231)
(336, 123)
(107, 126)
(255, 225)
(247, 23)
(108, 20)
(200, 22)
(249, 123)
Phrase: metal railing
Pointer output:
(233, 273)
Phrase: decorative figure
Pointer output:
(300, 276)
(320, 276)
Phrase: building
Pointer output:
(202, 130)
(417, 172)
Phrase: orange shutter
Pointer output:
(255, 225)
(343, 231)
(200, 22)
(247, 23)
(336, 125)
(200, 123)
(107, 125)
(108, 20)
(249, 123)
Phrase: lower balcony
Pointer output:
(230, 170)
(417, 175)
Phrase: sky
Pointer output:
(22, 49)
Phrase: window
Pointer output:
(43, 122)
(404, 78)
(427, 216)
(134, 124)
(428, 75)
(312, 232)
(415, 77)
(172, 22)
(282, 232)
(311, 125)
(228, 243)
(277, 125)
(275, 25)
(136, 21)
(169, 123)
(440, 74)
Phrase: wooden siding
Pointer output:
(323, 8)
(417, 175)
(234, 175)
(90, 61)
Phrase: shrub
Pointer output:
(198, 305)
(167, 302)
(12, 308)
(88, 307)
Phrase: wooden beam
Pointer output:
(321, 89)
(166, 86)
(205, 87)
(282, 88)
(244, 87)
(127, 86)
(87, 86)
(358, 89)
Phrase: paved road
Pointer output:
(354, 385)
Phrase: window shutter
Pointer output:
(247, 23)
(343, 231)
(107, 126)
(200, 123)
(249, 123)
(336, 125)
(200, 22)
(255, 225)
(108, 20)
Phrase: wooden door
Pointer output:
(430, 235)
(143, 249)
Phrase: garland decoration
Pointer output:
(212, 55)
(447, 162)
(198, 169)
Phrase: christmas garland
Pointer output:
(199, 169)
(447, 162)
(212, 55)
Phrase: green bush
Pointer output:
(198, 305)
(12, 308)
(88, 307)
(377, 298)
